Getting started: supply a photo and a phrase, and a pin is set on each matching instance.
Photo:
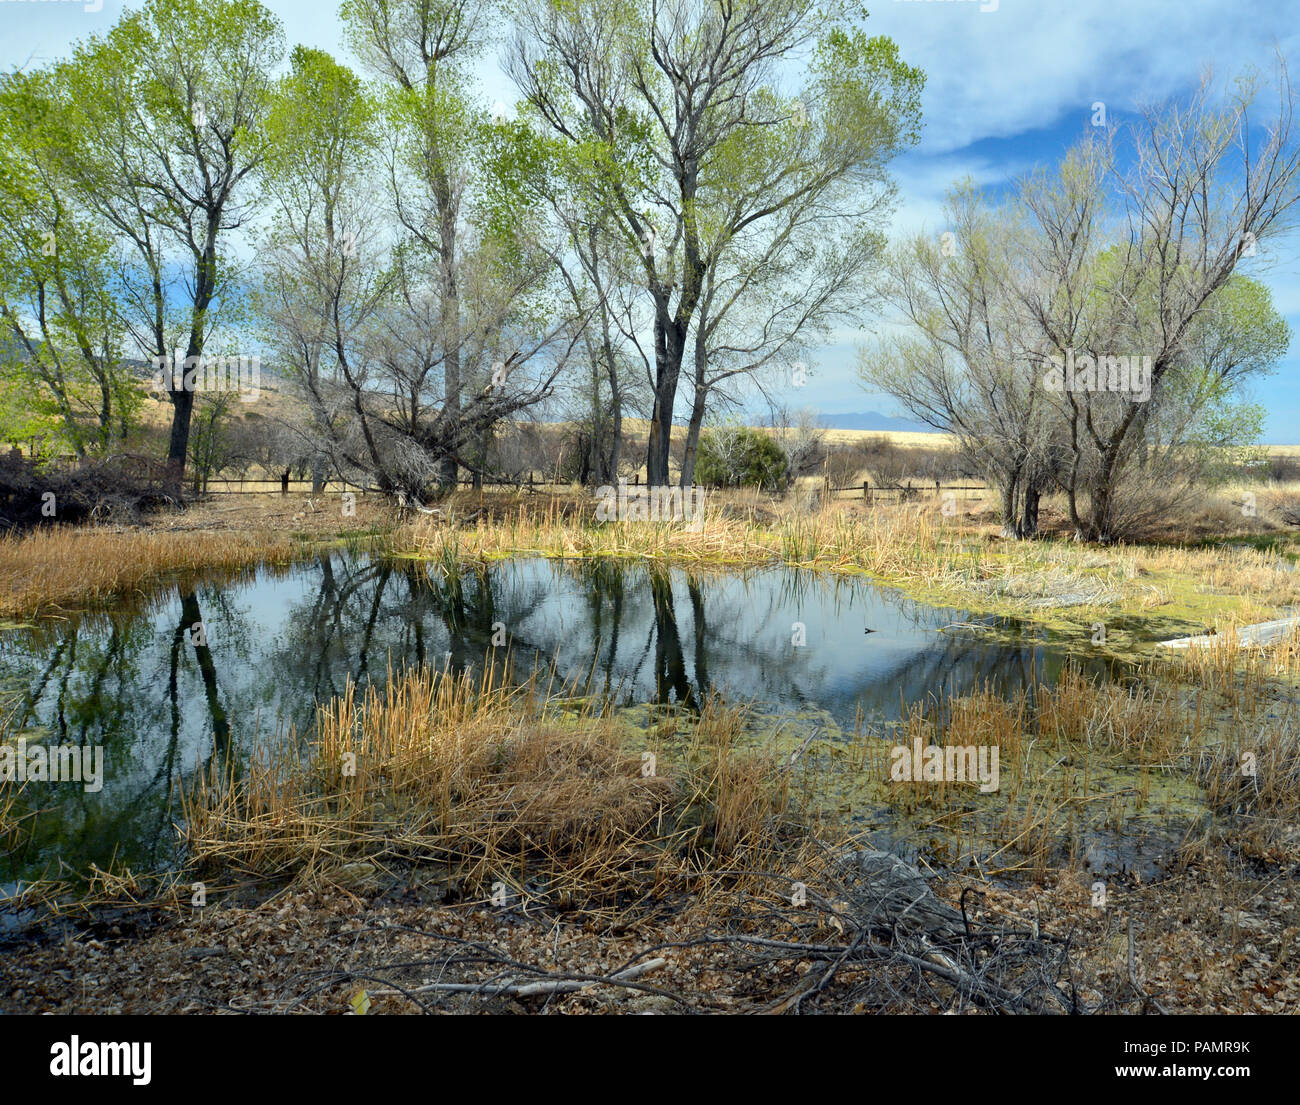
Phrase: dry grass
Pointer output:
(1254, 784)
(955, 558)
(894, 437)
(1183, 746)
(498, 787)
(60, 568)
(504, 789)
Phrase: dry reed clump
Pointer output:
(980, 718)
(1242, 678)
(1073, 757)
(1249, 769)
(1129, 722)
(492, 787)
(1253, 782)
(1196, 734)
(731, 802)
(62, 567)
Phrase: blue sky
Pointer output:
(1007, 88)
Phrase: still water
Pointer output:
(203, 670)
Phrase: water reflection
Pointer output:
(192, 674)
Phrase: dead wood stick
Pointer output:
(570, 985)
(800, 750)
(1132, 975)
(511, 988)
(982, 992)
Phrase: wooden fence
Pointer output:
(867, 490)
(910, 490)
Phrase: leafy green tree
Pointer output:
(57, 306)
(325, 274)
(423, 49)
(164, 122)
(29, 416)
(718, 181)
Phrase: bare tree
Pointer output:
(969, 359)
(1076, 334)
(1137, 276)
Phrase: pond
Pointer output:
(196, 671)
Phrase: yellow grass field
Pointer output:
(274, 403)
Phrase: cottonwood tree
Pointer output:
(509, 363)
(785, 280)
(56, 275)
(1188, 426)
(679, 105)
(1132, 255)
(326, 249)
(403, 382)
(423, 50)
(596, 274)
(967, 358)
(1109, 255)
(164, 119)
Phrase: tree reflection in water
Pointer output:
(164, 702)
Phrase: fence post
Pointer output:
(866, 490)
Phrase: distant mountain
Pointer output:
(874, 420)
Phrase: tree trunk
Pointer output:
(450, 316)
(609, 473)
(179, 442)
(670, 347)
(693, 430)
(1029, 520)
(205, 279)
(667, 370)
(1010, 490)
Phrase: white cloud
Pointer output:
(1032, 62)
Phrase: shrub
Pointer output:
(92, 490)
(741, 457)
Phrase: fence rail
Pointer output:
(271, 487)
(285, 487)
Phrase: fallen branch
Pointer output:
(510, 987)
